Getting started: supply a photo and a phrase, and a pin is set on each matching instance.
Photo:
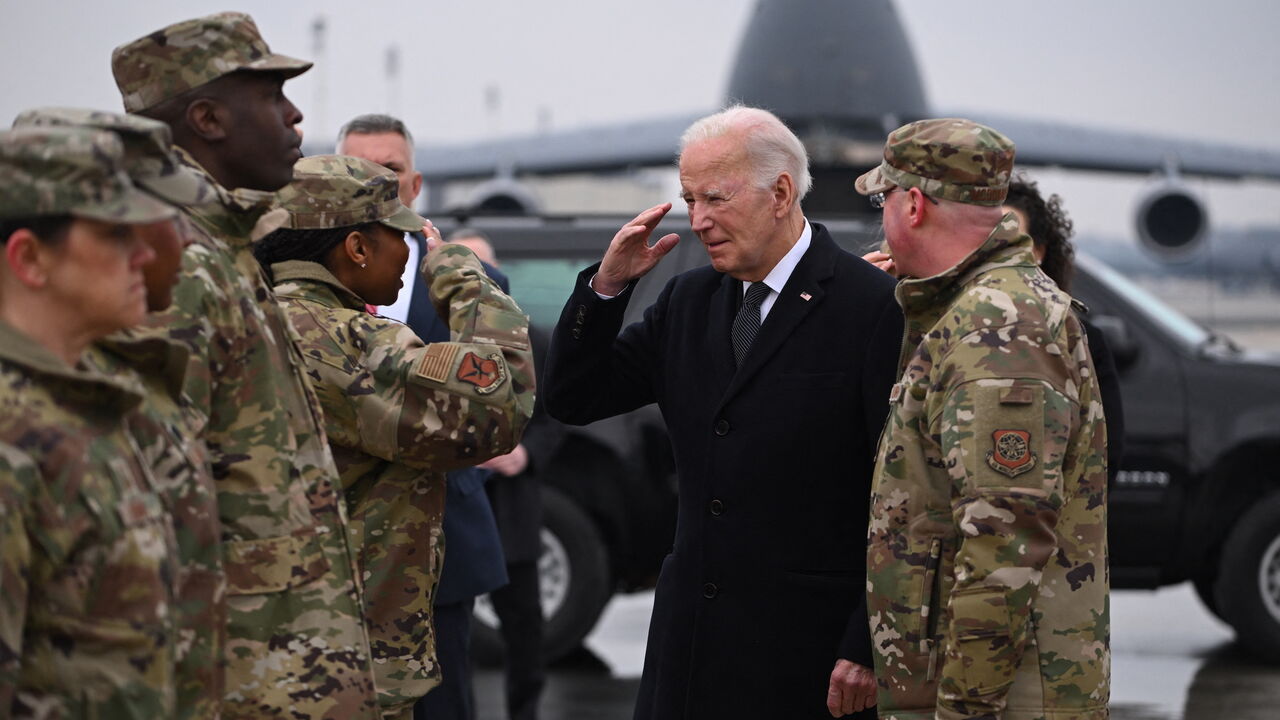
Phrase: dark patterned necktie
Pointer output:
(747, 322)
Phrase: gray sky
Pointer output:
(1186, 68)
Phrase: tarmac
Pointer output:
(1171, 660)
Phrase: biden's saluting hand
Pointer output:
(630, 255)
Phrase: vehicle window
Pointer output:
(1177, 324)
(542, 285)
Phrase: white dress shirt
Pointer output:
(778, 276)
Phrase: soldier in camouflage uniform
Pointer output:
(88, 557)
(398, 413)
(178, 459)
(987, 551)
(296, 637)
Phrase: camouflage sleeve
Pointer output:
(16, 473)
(450, 404)
(1004, 439)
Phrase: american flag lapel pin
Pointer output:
(806, 296)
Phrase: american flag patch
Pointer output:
(806, 296)
(437, 361)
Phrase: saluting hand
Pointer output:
(630, 255)
(432, 235)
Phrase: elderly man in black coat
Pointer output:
(772, 368)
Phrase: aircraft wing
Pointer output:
(655, 142)
(1071, 146)
(598, 149)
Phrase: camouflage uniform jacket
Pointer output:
(987, 551)
(398, 414)
(180, 465)
(296, 641)
(88, 557)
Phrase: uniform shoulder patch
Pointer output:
(437, 361)
(486, 373)
(1011, 452)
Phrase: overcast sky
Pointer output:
(468, 70)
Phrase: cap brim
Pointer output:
(404, 220)
(289, 67)
(871, 182)
(184, 187)
(135, 208)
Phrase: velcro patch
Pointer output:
(436, 361)
(1017, 396)
(485, 373)
(1011, 452)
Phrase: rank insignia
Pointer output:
(1011, 452)
(486, 373)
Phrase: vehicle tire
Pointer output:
(1248, 587)
(574, 580)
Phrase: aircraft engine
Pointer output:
(1172, 222)
(503, 196)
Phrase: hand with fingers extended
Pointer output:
(630, 255)
(432, 235)
(882, 260)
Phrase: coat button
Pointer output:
(576, 333)
(709, 590)
(581, 314)
(722, 427)
(717, 507)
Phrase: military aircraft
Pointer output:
(842, 74)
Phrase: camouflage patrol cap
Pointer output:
(186, 55)
(334, 191)
(148, 151)
(949, 158)
(71, 171)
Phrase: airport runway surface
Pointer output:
(1171, 660)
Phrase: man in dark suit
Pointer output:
(473, 562)
(772, 368)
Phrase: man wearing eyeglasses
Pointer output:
(772, 368)
(987, 551)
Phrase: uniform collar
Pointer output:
(311, 280)
(150, 356)
(233, 215)
(69, 384)
(1004, 247)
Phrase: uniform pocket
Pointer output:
(501, 327)
(267, 565)
(1002, 431)
(981, 650)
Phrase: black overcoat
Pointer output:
(764, 588)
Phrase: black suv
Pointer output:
(1197, 497)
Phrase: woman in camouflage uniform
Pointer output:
(398, 413)
(88, 556)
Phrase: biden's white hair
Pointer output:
(771, 147)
